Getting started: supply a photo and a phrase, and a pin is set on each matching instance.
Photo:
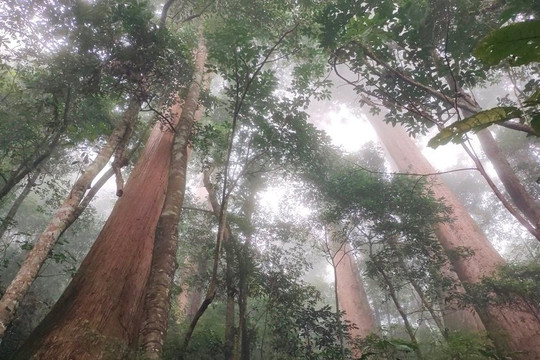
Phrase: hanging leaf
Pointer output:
(520, 42)
(535, 123)
(476, 122)
(533, 100)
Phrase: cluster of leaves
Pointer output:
(65, 76)
(399, 50)
(300, 327)
(513, 45)
(517, 285)
(459, 345)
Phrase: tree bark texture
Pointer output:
(61, 220)
(164, 264)
(99, 314)
(515, 326)
(352, 295)
(513, 186)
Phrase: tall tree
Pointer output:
(353, 299)
(157, 300)
(100, 311)
(520, 327)
(63, 218)
(419, 69)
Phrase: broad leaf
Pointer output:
(535, 123)
(519, 41)
(533, 100)
(476, 122)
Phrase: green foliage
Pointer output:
(301, 329)
(475, 123)
(518, 285)
(518, 42)
(375, 347)
(458, 346)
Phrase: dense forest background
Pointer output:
(269, 179)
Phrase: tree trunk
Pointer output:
(468, 105)
(228, 348)
(352, 295)
(335, 262)
(99, 313)
(394, 296)
(521, 328)
(425, 303)
(519, 195)
(224, 236)
(245, 342)
(47, 147)
(62, 219)
(157, 299)
(7, 221)
(248, 208)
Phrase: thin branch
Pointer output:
(198, 209)
(160, 114)
(194, 16)
(164, 12)
(519, 127)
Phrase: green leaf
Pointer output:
(519, 41)
(535, 123)
(476, 122)
(533, 100)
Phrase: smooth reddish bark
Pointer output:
(63, 218)
(352, 295)
(99, 313)
(514, 326)
(158, 292)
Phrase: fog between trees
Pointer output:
(269, 180)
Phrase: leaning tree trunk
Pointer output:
(61, 220)
(511, 325)
(521, 198)
(99, 313)
(45, 149)
(157, 299)
(224, 236)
